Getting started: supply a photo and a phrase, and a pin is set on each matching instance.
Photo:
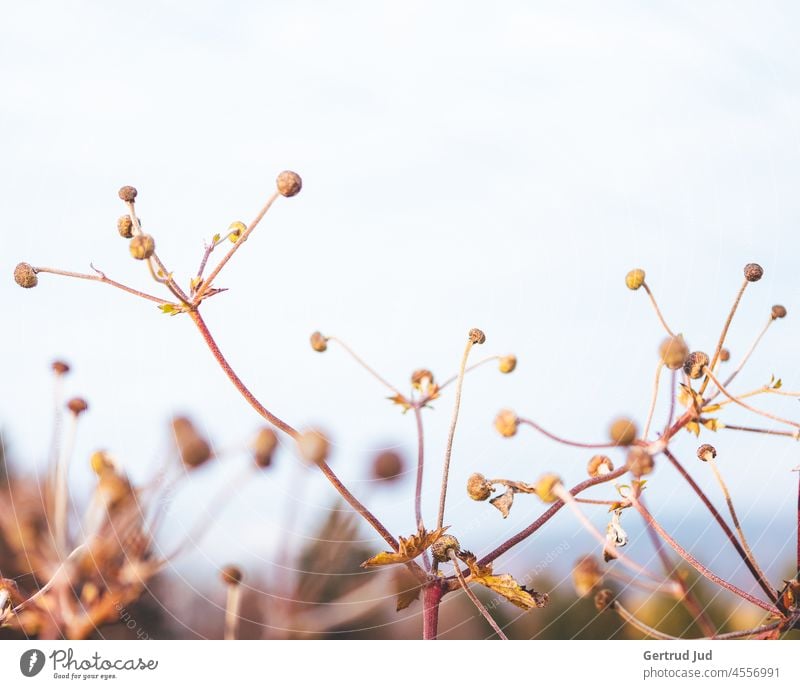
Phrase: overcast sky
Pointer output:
(464, 166)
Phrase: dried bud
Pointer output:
(508, 363)
(706, 452)
(313, 446)
(604, 600)
(100, 462)
(25, 275)
(476, 336)
(694, 364)
(77, 405)
(60, 368)
(623, 431)
(442, 546)
(753, 272)
(387, 466)
(586, 575)
(263, 447)
(193, 448)
(724, 354)
(778, 311)
(673, 352)
(319, 343)
(599, 465)
(420, 377)
(142, 246)
(635, 278)
(506, 423)
(236, 230)
(544, 487)
(128, 194)
(478, 487)
(640, 462)
(125, 226)
(289, 183)
(231, 575)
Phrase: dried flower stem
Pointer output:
(453, 379)
(749, 632)
(431, 597)
(747, 356)
(475, 601)
(564, 441)
(420, 476)
(634, 621)
(653, 400)
(672, 400)
(657, 310)
(767, 431)
(100, 277)
(364, 364)
(232, 606)
(61, 489)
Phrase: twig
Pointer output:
(481, 608)
(634, 621)
(564, 441)
(658, 311)
(100, 277)
(420, 476)
(364, 364)
(724, 334)
(653, 400)
(232, 606)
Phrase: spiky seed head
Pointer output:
(706, 452)
(387, 466)
(142, 246)
(313, 446)
(724, 354)
(778, 311)
(128, 194)
(599, 465)
(263, 447)
(478, 487)
(586, 575)
(192, 447)
(694, 364)
(544, 487)
(604, 600)
(231, 575)
(506, 423)
(25, 275)
(673, 351)
(125, 226)
(640, 462)
(77, 405)
(634, 279)
(476, 336)
(319, 343)
(507, 363)
(753, 272)
(289, 183)
(623, 431)
(442, 546)
(60, 368)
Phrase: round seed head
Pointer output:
(319, 343)
(604, 600)
(142, 246)
(623, 431)
(508, 363)
(478, 487)
(128, 194)
(753, 272)
(640, 462)
(586, 575)
(263, 447)
(544, 487)
(778, 311)
(192, 447)
(289, 183)
(25, 275)
(724, 354)
(421, 377)
(673, 352)
(599, 465)
(77, 405)
(442, 546)
(476, 336)
(60, 368)
(506, 423)
(125, 226)
(231, 575)
(387, 466)
(313, 446)
(706, 452)
(694, 364)
(634, 279)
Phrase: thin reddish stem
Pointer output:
(431, 597)
(100, 277)
(564, 441)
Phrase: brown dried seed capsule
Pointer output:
(77, 405)
(313, 446)
(387, 466)
(442, 546)
(506, 423)
(753, 272)
(586, 575)
(289, 183)
(778, 311)
(635, 278)
(142, 246)
(724, 354)
(673, 352)
(192, 447)
(706, 452)
(125, 226)
(478, 487)
(263, 447)
(640, 462)
(60, 368)
(476, 336)
(544, 487)
(231, 575)
(508, 363)
(25, 275)
(604, 600)
(623, 431)
(599, 465)
(319, 343)
(694, 364)
(128, 194)
(421, 375)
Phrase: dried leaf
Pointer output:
(693, 427)
(215, 238)
(713, 424)
(408, 549)
(402, 401)
(171, 309)
(504, 584)
(689, 397)
(503, 502)
(407, 588)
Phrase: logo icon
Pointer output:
(31, 662)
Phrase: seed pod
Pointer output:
(506, 423)
(60, 368)
(263, 447)
(125, 226)
(623, 431)
(478, 487)
(753, 272)
(706, 452)
(420, 377)
(192, 447)
(673, 352)
(586, 575)
(77, 405)
(441, 547)
(142, 246)
(724, 354)
(544, 487)
(599, 465)
(25, 275)
(694, 364)
(640, 462)
(128, 194)
(604, 600)
(508, 363)
(634, 279)
(476, 336)
(289, 183)
(387, 466)
(313, 446)
(231, 575)
(778, 311)
(319, 343)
